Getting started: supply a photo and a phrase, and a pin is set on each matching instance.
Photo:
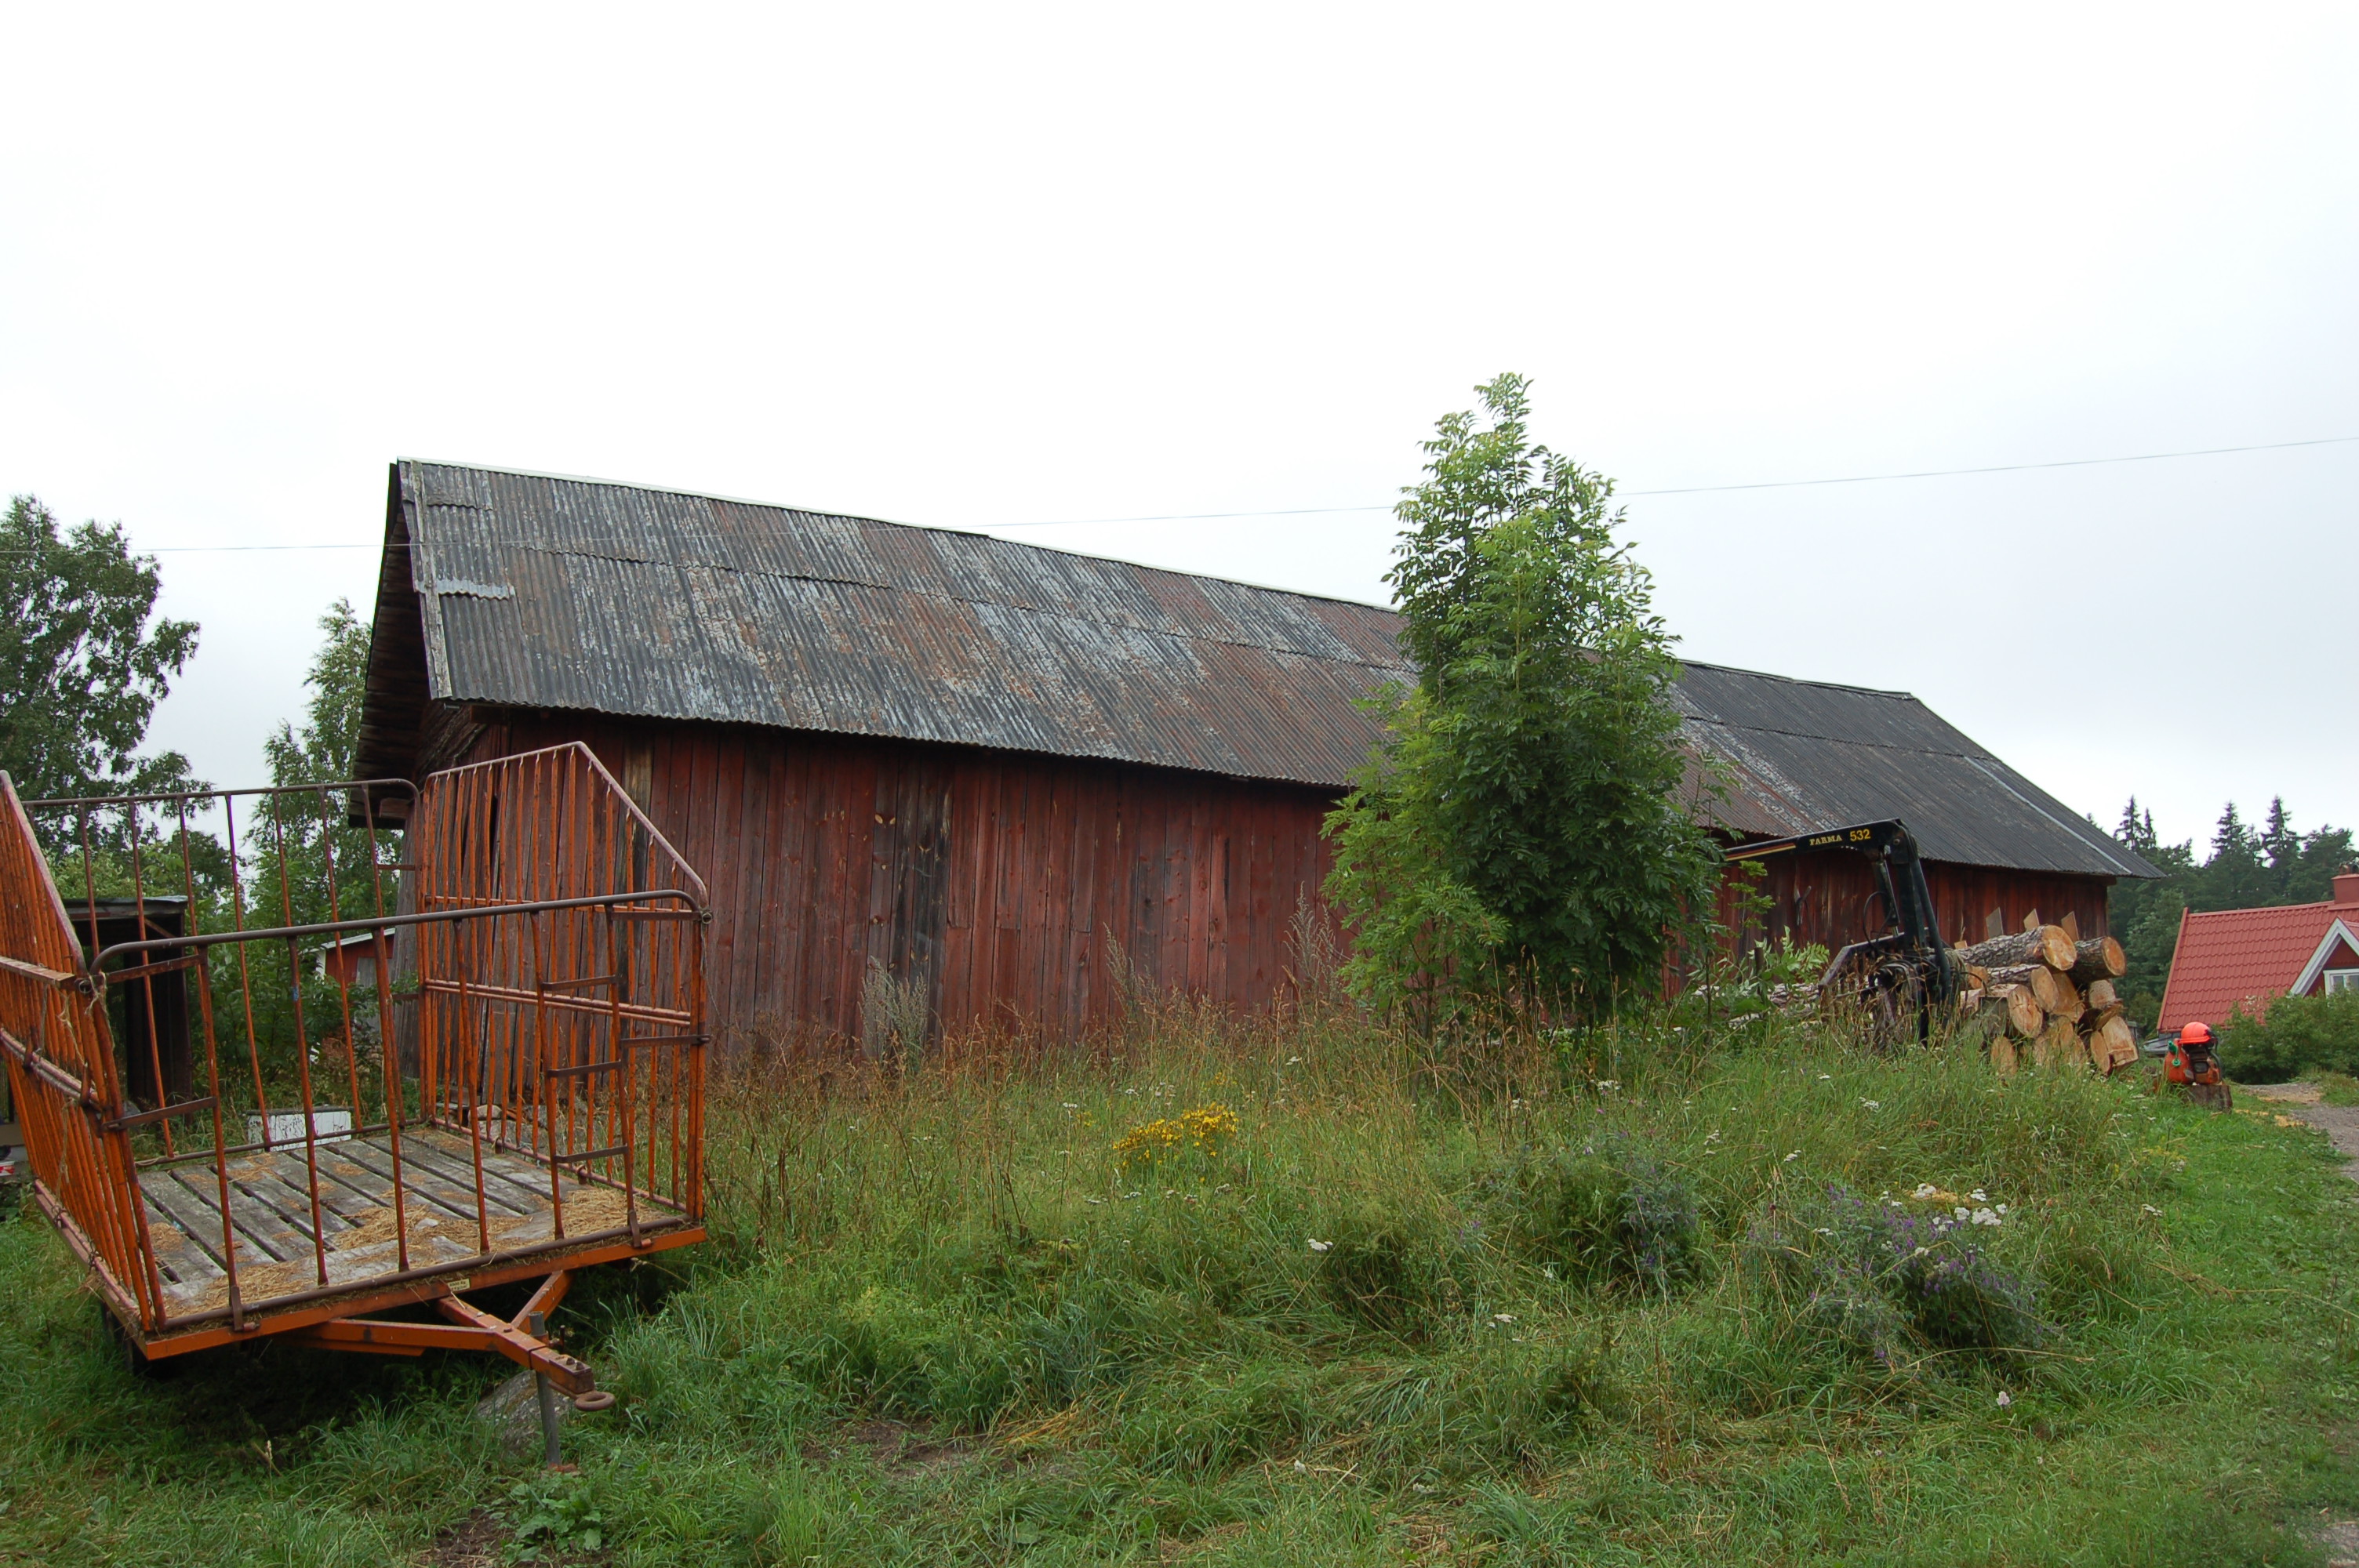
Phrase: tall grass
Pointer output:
(1662, 1290)
(1416, 1258)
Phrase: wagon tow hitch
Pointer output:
(524, 1339)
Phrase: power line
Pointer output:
(2000, 467)
(1388, 506)
(1761, 484)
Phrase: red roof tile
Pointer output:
(2247, 956)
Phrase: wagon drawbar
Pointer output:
(485, 1066)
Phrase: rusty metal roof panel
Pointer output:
(1799, 756)
(544, 592)
(535, 592)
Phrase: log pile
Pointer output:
(2045, 998)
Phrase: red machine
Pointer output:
(2191, 1058)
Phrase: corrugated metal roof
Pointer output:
(2228, 957)
(537, 591)
(543, 592)
(1802, 755)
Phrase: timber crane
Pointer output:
(1907, 969)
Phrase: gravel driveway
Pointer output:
(2300, 1101)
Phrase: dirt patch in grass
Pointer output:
(479, 1540)
(898, 1448)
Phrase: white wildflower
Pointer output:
(1503, 1317)
(1979, 1196)
(1826, 1077)
(1319, 1246)
(1093, 1200)
(2001, 1209)
(1985, 1216)
(1925, 1190)
(1300, 1468)
(1873, 1104)
(1791, 1158)
(2003, 1400)
(1964, 1215)
(2151, 1209)
(1072, 1105)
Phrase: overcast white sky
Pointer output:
(976, 266)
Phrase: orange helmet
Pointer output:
(2195, 1035)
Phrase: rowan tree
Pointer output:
(1521, 832)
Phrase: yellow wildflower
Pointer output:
(1204, 1130)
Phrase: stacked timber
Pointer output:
(2041, 996)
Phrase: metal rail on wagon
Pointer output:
(485, 1066)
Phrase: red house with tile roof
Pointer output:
(2231, 957)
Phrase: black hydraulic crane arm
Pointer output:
(1915, 933)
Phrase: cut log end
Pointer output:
(2098, 959)
(2011, 1012)
(2113, 1044)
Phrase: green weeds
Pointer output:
(1652, 1299)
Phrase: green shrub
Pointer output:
(1607, 1210)
(1884, 1282)
(2302, 1035)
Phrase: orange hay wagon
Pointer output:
(486, 1066)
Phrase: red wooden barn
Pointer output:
(1799, 756)
(981, 767)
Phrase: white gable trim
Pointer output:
(2336, 933)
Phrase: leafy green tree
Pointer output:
(83, 660)
(306, 864)
(1519, 835)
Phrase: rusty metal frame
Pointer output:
(558, 1025)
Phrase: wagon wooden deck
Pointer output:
(281, 1251)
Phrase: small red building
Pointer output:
(2229, 958)
(352, 960)
(1015, 781)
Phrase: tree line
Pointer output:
(2244, 867)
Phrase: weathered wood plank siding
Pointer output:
(993, 878)
(1830, 898)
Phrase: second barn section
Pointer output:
(1011, 780)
